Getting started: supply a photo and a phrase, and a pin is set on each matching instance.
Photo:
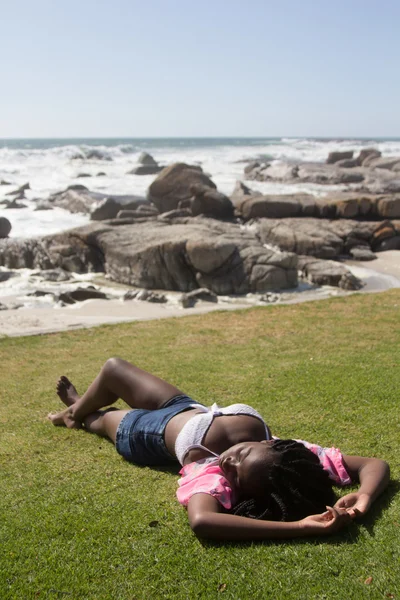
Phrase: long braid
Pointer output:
(295, 486)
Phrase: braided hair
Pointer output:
(296, 486)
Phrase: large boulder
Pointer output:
(328, 272)
(173, 185)
(390, 164)
(366, 155)
(242, 192)
(334, 157)
(5, 227)
(100, 206)
(319, 238)
(277, 206)
(209, 202)
(183, 255)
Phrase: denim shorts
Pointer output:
(140, 435)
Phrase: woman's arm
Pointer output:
(373, 475)
(207, 521)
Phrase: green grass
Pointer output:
(76, 521)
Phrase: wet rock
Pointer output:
(270, 298)
(145, 296)
(173, 185)
(362, 253)
(334, 157)
(55, 275)
(5, 227)
(146, 166)
(14, 204)
(348, 163)
(135, 214)
(5, 275)
(91, 154)
(81, 294)
(101, 174)
(189, 300)
(391, 164)
(392, 243)
(41, 293)
(389, 207)
(4, 182)
(328, 272)
(83, 175)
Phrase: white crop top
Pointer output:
(194, 431)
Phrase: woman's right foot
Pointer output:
(64, 418)
(66, 391)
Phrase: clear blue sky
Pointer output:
(137, 68)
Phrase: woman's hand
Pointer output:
(328, 522)
(355, 504)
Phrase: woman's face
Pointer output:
(245, 466)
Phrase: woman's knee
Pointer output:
(112, 365)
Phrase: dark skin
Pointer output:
(238, 439)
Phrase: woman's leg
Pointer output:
(102, 422)
(117, 379)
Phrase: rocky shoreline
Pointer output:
(185, 234)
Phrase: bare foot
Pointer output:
(66, 391)
(65, 419)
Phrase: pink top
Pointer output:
(205, 476)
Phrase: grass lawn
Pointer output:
(76, 521)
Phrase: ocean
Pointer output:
(50, 165)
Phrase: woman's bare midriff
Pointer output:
(225, 431)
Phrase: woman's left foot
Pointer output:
(66, 391)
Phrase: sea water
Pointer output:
(51, 165)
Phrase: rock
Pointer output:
(367, 153)
(334, 157)
(173, 185)
(347, 163)
(147, 166)
(145, 170)
(4, 182)
(91, 154)
(270, 298)
(306, 173)
(101, 174)
(55, 275)
(145, 296)
(5, 227)
(185, 255)
(83, 175)
(111, 206)
(21, 189)
(316, 237)
(362, 253)
(14, 204)
(241, 193)
(392, 243)
(328, 272)
(100, 206)
(5, 275)
(391, 164)
(188, 300)
(388, 207)
(146, 159)
(81, 294)
(277, 206)
(209, 202)
(251, 166)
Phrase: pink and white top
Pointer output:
(205, 476)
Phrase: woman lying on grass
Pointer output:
(232, 467)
